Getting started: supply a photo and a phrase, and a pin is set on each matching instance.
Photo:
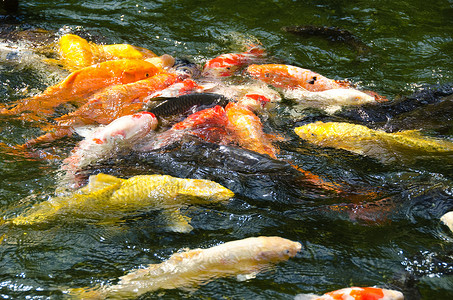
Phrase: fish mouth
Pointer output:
(187, 68)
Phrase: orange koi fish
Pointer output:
(227, 64)
(355, 293)
(80, 84)
(287, 76)
(76, 52)
(248, 129)
(106, 105)
(209, 124)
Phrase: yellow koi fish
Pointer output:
(108, 198)
(387, 147)
(76, 52)
(241, 258)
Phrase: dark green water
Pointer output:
(404, 248)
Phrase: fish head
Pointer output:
(162, 62)
(223, 65)
(127, 128)
(254, 102)
(317, 131)
(205, 190)
(275, 249)
(185, 68)
(349, 96)
(135, 70)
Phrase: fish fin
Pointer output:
(177, 222)
(186, 254)
(409, 133)
(85, 131)
(331, 109)
(85, 293)
(306, 297)
(99, 182)
(245, 277)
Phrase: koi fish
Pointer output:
(82, 83)
(210, 124)
(227, 64)
(355, 293)
(76, 52)
(404, 145)
(107, 198)
(187, 270)
(287, 76)
(447, 219)
(170, 106)
(248, 129)
(119, 134)
(105, 106)
(331, 100)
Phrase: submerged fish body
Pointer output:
(387, 147)
(333, 34)
(82, 83)
(242, 258)
(355, 293)
(287, 76)
(227, 64)
(120, 133)
(108, 198)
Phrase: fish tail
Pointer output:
(318, 181)
(377, 97)
(86, 293)
(48, 137)
(178, 222)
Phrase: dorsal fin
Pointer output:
(99, 182)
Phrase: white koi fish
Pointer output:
(330, 100)
(119, 134)
(185, 270)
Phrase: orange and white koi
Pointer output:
(227, 64)
(287, 76)
(242, 259)
(355, 293)
(209, 124)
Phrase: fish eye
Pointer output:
(147, 74)
(267, 75)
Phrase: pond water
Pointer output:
(398, 243)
